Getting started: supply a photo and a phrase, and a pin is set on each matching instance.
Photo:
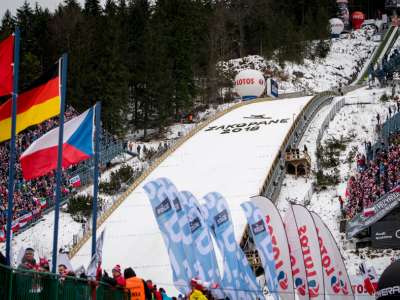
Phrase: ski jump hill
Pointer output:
(231, 154)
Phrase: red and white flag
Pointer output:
(41, 156)
(15, 225)
(368, 212)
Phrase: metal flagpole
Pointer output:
(11, 168)
(96, 175)
(63, 86)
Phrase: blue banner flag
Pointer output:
(203, 245)
(187, 242)
(262, 239)
(168, 223)
(239, 281)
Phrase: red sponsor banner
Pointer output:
(15, 225)
(337, 282)
(280, 246)
(359, 289)
(311, 251)
(296, 257)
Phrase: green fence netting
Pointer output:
(17, 284)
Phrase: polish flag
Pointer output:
(368, 212)
(41, 156)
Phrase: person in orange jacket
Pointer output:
(136, 286)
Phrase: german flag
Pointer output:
(41, 101)
(6, 65)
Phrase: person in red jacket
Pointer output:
(116, 272)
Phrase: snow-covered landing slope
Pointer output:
(232, 156)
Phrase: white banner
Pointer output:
(262, 239)
(311, 253)
(296, 256)
(97, 257)
(279, 245)
(360, 292)
(337, 282)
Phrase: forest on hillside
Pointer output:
(152, 62)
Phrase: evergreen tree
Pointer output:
(92, 7)
(7, 25)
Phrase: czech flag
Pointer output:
(41, 156)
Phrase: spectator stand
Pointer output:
(373, 194)
(34, 198)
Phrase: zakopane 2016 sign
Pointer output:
(247, 126)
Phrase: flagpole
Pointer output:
(11, 168)
(96, 175)
(63, 86)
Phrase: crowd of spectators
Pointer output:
(378, 172)
(27, 193)
(123, 280)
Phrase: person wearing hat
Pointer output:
(136, 286)
(119, 279)
(389, 283)
(28, 261)
(197, 291)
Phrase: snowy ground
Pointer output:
(318, 75)
(359, 119)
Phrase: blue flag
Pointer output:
(203, 245)
(239, 281)
(187, 241)
(262, 239)
(168, 223)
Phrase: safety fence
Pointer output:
(109, 149)
(389, 35)
(273, 180)
(332, 113)
(19, 284)
(392, 125)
